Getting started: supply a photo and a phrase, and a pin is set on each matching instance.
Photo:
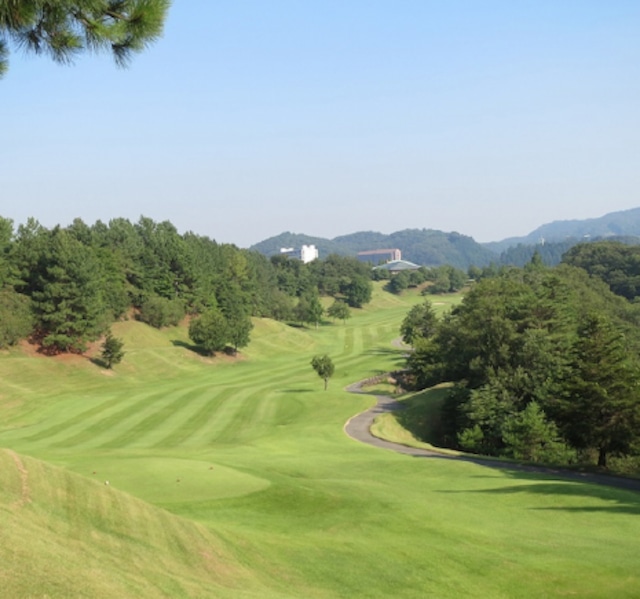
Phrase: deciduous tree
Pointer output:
(421, 321)
(309, 309)
(15, 317)
(161, 312)
(210, 331)
(339, 310)
(357, 291)
(323, 365)
(398, 282)
(239, 326)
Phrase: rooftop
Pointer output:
(397, 265)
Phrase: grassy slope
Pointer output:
(251, 455)
(66, 536)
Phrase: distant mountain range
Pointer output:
(432, 248)
(422, 246)
(614, 224)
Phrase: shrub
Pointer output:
(161, 312)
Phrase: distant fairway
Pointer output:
(250, 488)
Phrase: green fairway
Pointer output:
(234, 478)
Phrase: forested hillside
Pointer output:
(551, 253)
(63, 287)
(428, 247)
(544, 362)
(625, 223)
(618, 265)
(273, 245)
(425, 247)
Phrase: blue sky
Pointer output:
(250, 118)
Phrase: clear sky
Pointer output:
(327, 117)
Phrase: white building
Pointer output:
(307, 253)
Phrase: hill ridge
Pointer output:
(433, 247)
(428, 247)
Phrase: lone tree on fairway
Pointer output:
(112, 350)
(64, 29)
(324, 367)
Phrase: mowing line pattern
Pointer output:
(221, 405)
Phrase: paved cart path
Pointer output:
(359, 428)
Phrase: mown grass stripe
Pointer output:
(224, 427)
(199, 419)
(69, 423)
(137, 434)
(101, 427)
(239, 427)
(264, 415)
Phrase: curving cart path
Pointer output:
(359, 428)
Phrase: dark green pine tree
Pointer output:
(67, 293)
(601, 407)
(64, 29)
(112, 352)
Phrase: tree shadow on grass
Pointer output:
(296, 391)
(311, 326)
(620, 493)
(99, 362)
(196, 349)
(422, 416)
(423, 429)
(386, 408)
(398, 356)
(386, 351)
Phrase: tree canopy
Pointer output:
(63, 287)
(615, 263)
(63, 29)
(339, 310)
(544, 363)
(420, 322)
(112, 350)
(210, 331)
(324, 367)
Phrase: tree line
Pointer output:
(63, 287)
(544, 365)
(441, 279)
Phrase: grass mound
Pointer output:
(66, 536)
